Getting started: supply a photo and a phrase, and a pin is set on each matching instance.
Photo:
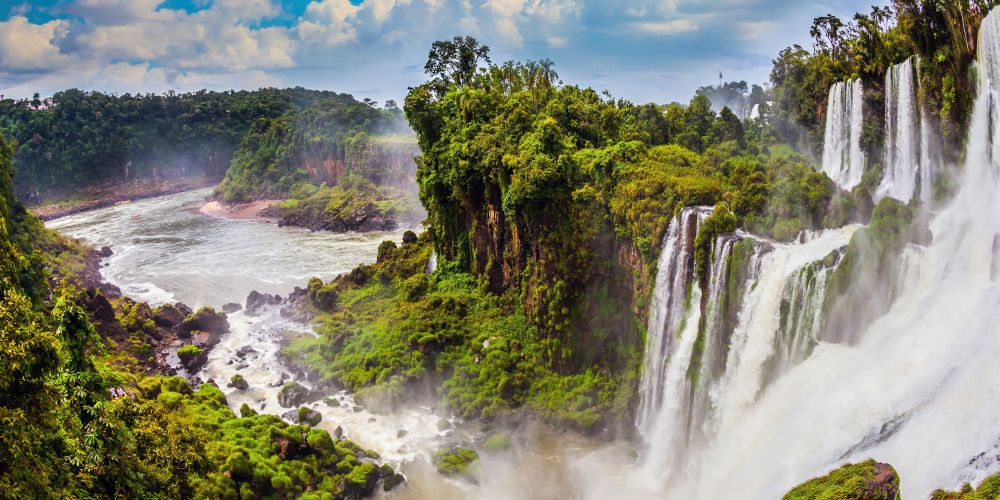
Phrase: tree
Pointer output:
(456, 61)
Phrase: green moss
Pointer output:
(498, 441)
(989, 489)
(852, 481)
(455, 461)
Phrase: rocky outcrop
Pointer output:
(168, 316)
(256, 301)
(366, 217)
(207, 321)
(239, 383)
(295, 394)
(231, 307)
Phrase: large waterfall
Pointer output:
(919, 388)
(843, 160)
(910, 148)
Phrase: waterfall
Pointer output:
(917, 389)
(666, 310)
(755, 112)
(911, 150)
(843, 160)
(902, 143)
(432, 263)
(714, 334)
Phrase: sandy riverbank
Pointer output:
(240, 211)
(104, 196)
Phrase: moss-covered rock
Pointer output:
(498, 442)
(868, 480)
(456, 461)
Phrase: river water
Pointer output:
(167, 251)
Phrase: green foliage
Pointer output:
(455, 461)
(498, 441)
(89, 138)
(852, 481)
(332, 137)
(989, 489)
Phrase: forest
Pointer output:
(546, 209)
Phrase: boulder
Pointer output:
(99, 306)
(231, 308)
(287, 448)
(192, 357)
(294, 394)
(105, 252)
(168, 316)
(205, 320)
(409, 237)
(239, 383)
(245, 351)
(205, 340)
(390, 478)
(184, 309)
(257, 300)
(309, 416)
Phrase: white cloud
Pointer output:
(24, 45)
(673, 27)
(557, 42)
(751, 30)
(327, 22)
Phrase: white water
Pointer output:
(843, 160)
(920, 389)
(912, 150)
(666, 314)
(165, 251)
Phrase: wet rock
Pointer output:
(245, 351)
(390, 478)
(287, 449)
(281, 381)
(308, 416)
(241, 366)
(239, 383)
(357, 408)
(192, 357)
(359, 487)
(409, 237)
(883, 484)
(331, 402)
(257, 300)
(205, 340)
(105, 252)
(443, 424)
(338, 432)
(168, 316)
(294, 394)
(401, 434)
(231, 308)
(184, 309)
(371, 420)
(205, 320)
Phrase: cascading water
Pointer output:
(917, 388)
(667, 308)
(706, 359)
(911, 152)
(902, 143)
(843, 160)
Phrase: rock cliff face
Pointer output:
(385, 162)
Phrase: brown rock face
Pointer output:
(884, 485)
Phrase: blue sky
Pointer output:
(641, 50)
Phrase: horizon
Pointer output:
(376, 49)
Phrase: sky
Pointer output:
(640, 50)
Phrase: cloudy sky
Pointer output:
(641, 50)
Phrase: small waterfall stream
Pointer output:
(912, 155)
(843, 160)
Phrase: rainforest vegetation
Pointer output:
(82, 419)
(546, 205)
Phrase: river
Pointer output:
(167, 251)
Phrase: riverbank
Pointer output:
(105, 196)
(255, 210)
